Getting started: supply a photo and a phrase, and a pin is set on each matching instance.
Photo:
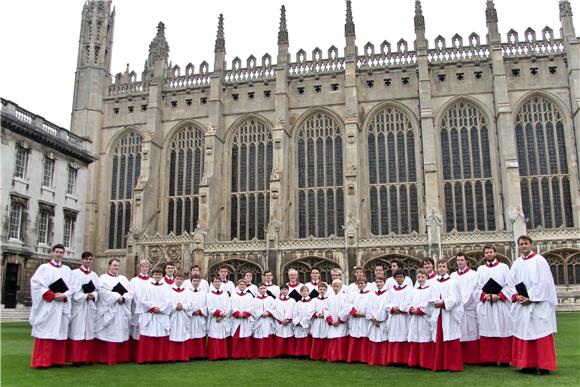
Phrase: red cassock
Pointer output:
(358, 350)
(110, 353)
(421, 355)
(265, 348)
(48, 352)
(539, 353)
(153, 349)
(80, 351)
(284, 346)
(302, 346)
(318, 349)
(241, 346)
(197, 348)
(495, 349)
(218, 349)
(337, 349)
(447, 354)
(378, 353)
(178, 350)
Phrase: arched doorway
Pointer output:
(237, 269)
(305, 265)
(410, 265)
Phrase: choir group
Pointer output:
(492, 315)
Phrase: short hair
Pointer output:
(178, 275)
(292, 270)
(195, 267)
(168, 264)
(362, 279)
(268, 271)
(489, 247)
(357, 268)
(336, 270)
(195, 276)
(284, 286)
(337, 282)
(525, 238)
(380, 278)
(224, 267)
(429, 259)
(216, 278)
(144, 261)
(242, 281)
(323, 285)
(58, 246)
(262, 284)
(86, 254)
(113, 260)
(381, 266)
(314, 268)
(421, 271)
(460, 254)
(399, 272)
(443, 261)
(157, 270)
(304, 287)
(248, 272)
(399, 263)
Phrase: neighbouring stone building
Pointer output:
(43, 188)
(335, 158)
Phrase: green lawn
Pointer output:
(17, 345)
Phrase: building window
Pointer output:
(250, 183)
(185, 171)
(320, 177)
(48, 171)
(467, 177)
(21, 161)
(69, 228)
(17, 219)
(71, 180)
(544, 175)
(125, 170)
(392, 173)
(45, 223)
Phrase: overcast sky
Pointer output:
(40, 38)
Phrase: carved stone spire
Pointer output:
(565, 9)
(283, 30)
(220, 40)
(159, 48)
(490, 12)
(349, 25)
(419, 18)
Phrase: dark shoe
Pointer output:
(542, 372)
(504, 364)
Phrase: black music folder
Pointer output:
(58, 286)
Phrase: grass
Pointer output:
(17, 346)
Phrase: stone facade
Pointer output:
(334, 159)
(42, 190)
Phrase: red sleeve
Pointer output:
(151, 310)
(314, 315)
(514, 297)
(353, 312)
(329, 320)
(269, 314)
(502, 296)
(246, 314)
(419, 312)
(443, 305)
(340, 321)
(48, 296)
(217, 313)
(482, 297)
(236, 314)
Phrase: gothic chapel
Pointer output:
(332, 159)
